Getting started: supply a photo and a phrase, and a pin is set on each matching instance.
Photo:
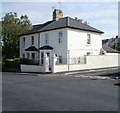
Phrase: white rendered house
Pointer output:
(63, 36)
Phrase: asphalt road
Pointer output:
(60, 92)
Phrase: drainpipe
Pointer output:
(68, 60)
(38, 47)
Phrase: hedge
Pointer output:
(15, 62)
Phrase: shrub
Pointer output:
(25, 61)
(14, 63)
(11, 62)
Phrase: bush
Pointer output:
(14, 64)
(25, 61)
(11, 62)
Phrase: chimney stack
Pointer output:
(57, 14)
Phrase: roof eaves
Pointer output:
(28, 33)
(85, 29)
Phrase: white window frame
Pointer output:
(60, 36)
(88, 39)
(46, 38)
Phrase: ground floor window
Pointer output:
(28, 55)
(23, 55)
(60, 59)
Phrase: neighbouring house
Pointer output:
(109, 51)
(112, 42)
(105, 42)
(64, 38)
(117, 41)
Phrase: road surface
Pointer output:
(73, 91)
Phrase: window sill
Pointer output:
(88, 45)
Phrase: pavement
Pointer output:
(108, 73)
(92, 90)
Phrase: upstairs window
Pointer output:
(60, 37)
(32, 40)
(46, 38)
(88, 39)
(23, 41)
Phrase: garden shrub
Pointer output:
(11, 62)
(25, 61)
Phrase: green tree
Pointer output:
(81, 21)
(12, 27)
(86, 23)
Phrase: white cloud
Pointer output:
(100, 15)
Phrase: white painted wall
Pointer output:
(60, 68)
(77, 43)
(28, 43)
(59, 48)
(95, 62)
(31, 68)
(92, 62)
(112, 54)
(74, 41)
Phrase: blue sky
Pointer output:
(101, 15)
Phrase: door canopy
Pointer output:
(46, 47)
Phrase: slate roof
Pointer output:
(46, 47)
(36, 28)
(109, 49)
(65, 22)
(31, 48)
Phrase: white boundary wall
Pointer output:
(92, 62)
(32, 68)
(61, 68)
